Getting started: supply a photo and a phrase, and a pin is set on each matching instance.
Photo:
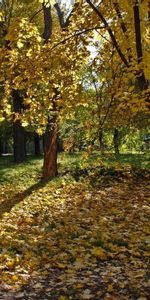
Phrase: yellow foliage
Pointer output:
(99, 253)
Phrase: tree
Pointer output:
(50, 138)
(39, 74)
(10, 9)
(46, 73)
(116, 17)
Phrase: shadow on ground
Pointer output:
(11, 200)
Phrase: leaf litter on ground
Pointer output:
(75, 241)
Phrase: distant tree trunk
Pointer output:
(116, 141)
(19, 131)
(36, 144)
(1, 146)
(101, 142)
(59, 145)
(19, 143)
(5, 148)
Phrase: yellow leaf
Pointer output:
(14, 277)
(1, 17)
(24, 124)
(10, 263)
(131, 89)
(61, 298)
(19, 44)
(79, 286)
(99, 253)
(110, 288)
(61, 266)
(2, 119)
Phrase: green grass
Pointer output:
(30, 172)
(26, 174)
(141, 160)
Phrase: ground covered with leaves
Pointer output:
(76, 239)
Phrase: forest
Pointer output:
(74, 149)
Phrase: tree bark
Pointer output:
(37, 149)
(47, 22)
(123, 27)
(116, 141)
(101, 142)
(142, 83)
(50, 150)
(1, 146)
(19, 131)
(50, 135)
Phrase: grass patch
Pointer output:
(71, 167)
(140, 160)
(120, 243)
(26, 174)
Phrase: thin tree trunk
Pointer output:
(116, 141)
(19, 131)
(1, 146)
(101, 142)
(37, 149)
(19, 143)
(47, 22)
(142, 83)
(123, 27)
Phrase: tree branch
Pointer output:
(123, 27)
(11, 12)
(115, 43)
(77, 34)
(60, 14)
(31, 19)
(117, 9)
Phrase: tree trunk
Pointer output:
(50, 150)
(19, 131)
(1, 146)
(19, 143)
(50, 136)
(47, 22)
(36, 144)
(116, 141)
(6, 150)
(142, 83)
(101, 142)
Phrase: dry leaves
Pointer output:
(77, 243)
